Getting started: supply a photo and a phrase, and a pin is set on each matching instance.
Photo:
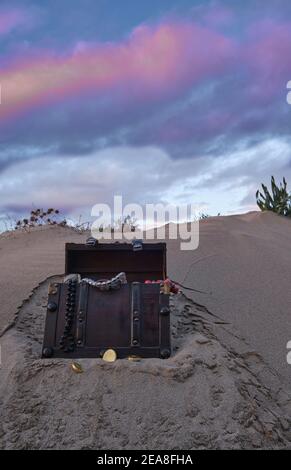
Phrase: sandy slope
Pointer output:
(214, 392)
(243, 262)
(26, 259)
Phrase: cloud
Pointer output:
(143, 175)
(177, 85)
(215, 14)
(196, 110)
(12, 18)
(154, 62)
(76, 182)
(266, 54)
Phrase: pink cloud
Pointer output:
(10, 19)
(152, 63)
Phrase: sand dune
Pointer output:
(212, 393)
(28, 258)
(218, 390)
(243, 262)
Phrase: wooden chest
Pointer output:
(84, 321)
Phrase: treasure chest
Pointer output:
(109, 300)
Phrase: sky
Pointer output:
(156, 100)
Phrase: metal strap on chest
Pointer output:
(81, 314)
(135, 313)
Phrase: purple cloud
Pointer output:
(12, 18)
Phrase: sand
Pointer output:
(28, 258)
(243, 262)
(218, 390)
(210, 394)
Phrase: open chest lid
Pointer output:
(105, 260)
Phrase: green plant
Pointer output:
(278, 200)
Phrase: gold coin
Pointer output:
(52, 289)
(77, 367)
(134, 358)
(109, 355)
